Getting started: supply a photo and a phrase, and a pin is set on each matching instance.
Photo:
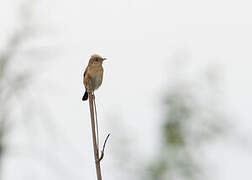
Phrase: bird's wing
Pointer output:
(85, 72)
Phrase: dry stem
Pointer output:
(96, 148)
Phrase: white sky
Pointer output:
(139, 38)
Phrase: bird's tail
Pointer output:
(85, 97)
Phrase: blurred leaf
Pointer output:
(186, 125)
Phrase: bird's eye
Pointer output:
(95, 61)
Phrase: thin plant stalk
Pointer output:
(95, 147)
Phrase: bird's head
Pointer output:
(96, 60)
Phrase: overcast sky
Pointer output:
(140, 39)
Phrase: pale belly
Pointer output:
(96, 81)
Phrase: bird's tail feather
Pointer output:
(85, 97)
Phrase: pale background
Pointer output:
(149, 44)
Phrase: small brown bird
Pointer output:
(93, 75)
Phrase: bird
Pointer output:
(93, 75)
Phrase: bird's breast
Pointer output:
(96, 77)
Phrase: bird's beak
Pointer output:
(104, 59)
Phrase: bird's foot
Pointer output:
(92, 96)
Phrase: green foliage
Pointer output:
(184, 130)
(177, 113)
